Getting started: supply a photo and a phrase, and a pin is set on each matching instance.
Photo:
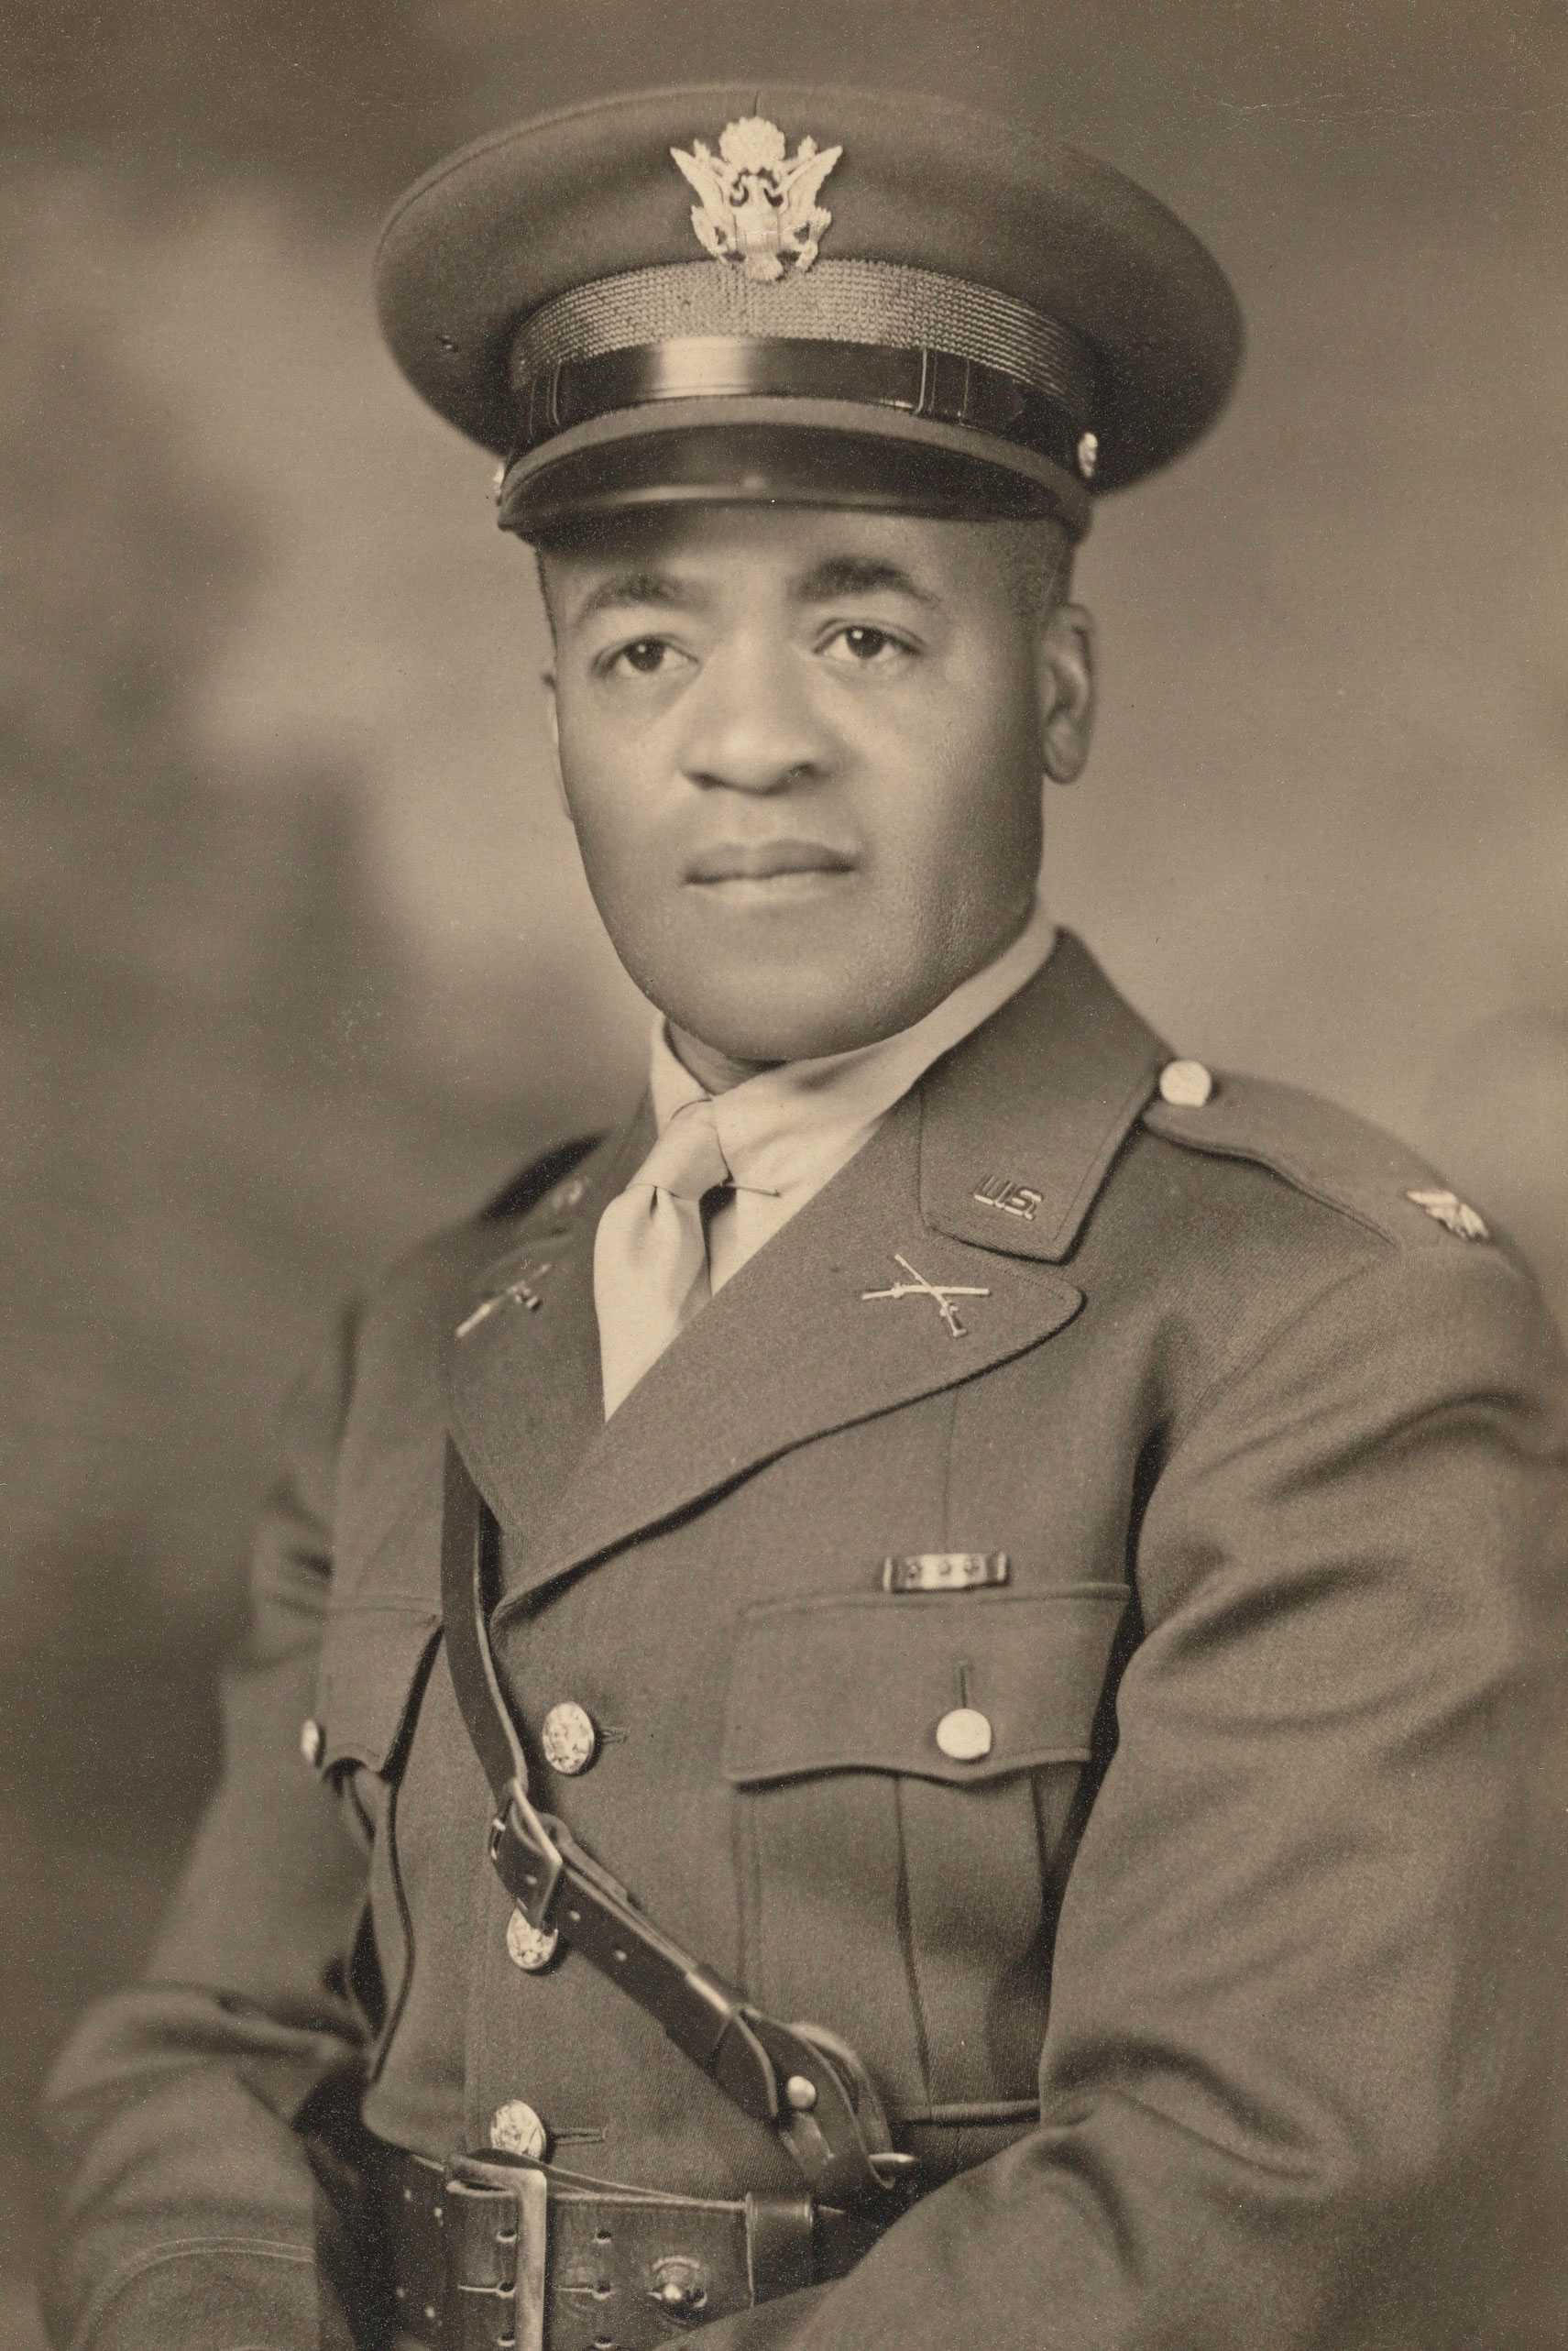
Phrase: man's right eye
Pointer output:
(644, 657)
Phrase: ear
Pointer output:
(1066, 686)
(553, 721)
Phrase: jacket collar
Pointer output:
(1021, 1128)
(979, 1181)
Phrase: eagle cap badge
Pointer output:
(757, 204)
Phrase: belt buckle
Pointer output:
(495, 2231)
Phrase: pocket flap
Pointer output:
(863, 1682)
(374, 1664)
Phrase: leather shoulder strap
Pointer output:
(801, 2080)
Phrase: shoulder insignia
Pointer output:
(1456, 1214)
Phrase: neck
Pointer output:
(717, 1072)
(714, 1070)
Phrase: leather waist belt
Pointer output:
(489, 2255)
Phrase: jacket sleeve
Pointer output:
(1307, 2020)
(201, 2217)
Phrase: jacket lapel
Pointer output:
(793, 1346)
(824, 1326)
(524, 1391)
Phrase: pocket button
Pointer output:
(964, 1735)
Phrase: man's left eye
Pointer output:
(864, 646)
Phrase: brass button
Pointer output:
(1186, 1085)
(530, 1947)
(964, 1735)
(516, 2130)
(568, 1738)
(312, 1742)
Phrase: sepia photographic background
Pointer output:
(297, 959)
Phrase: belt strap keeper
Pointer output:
(780, 2245)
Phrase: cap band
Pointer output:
(922, 383)
(877, 335)
(881, 304)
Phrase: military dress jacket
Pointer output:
(1217, 1991)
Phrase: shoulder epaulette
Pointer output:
(1324, 1151)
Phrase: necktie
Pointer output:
(650, 1253)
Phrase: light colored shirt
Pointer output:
(784, 1132)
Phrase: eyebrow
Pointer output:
(858, 576)
(628, 589)
(834, 577)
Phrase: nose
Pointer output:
(753, 725)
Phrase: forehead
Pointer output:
(792, 551)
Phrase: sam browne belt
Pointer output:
(492, 2252)
(489, 2243)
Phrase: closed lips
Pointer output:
(731, 861)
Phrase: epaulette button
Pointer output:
(1186, 1085)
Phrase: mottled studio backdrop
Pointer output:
(296, 958)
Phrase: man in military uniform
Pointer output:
(923, 1674)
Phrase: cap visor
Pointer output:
(786, 452)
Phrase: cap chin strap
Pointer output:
(802, 2081)
(923, 382)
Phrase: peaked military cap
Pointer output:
(826, 296)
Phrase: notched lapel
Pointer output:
(524, 1377)
(793, 1346)
(978, 1183)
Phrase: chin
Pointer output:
(794, 1030)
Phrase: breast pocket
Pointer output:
(375, 1663)
(904, 1773)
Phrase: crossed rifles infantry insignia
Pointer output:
(940, 1293)
(758, 204)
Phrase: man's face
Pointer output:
(803, 752)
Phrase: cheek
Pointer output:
(969, 811)
(605, 787)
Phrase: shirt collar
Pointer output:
(776, 1128)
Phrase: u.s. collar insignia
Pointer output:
(758, 205)
(1456, 1214)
